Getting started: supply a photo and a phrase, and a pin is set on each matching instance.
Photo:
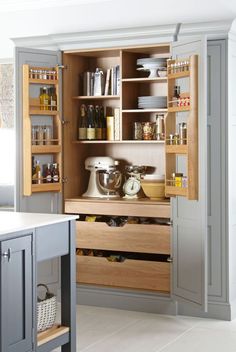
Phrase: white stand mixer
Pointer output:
(104, 179)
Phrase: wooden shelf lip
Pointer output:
(145, 80)
(179, 75)
(50, 334)
(42, 112)
(94, 97)
(120, 142)
(45, 149)
(177, 149)
(46, 187)
(43, 81)
(179, 108)
(144, 110)
(176, 191)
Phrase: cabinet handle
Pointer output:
(7, 254)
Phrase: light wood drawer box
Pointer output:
(137, 274)
(130, 237)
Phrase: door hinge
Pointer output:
(169, 260)
(64, 122)
(170, 223)
(64, 179)
(62, 67)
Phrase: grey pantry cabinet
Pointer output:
(203, 232)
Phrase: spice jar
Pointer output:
(178, 179)
(40, 135)
(148, 130)
(182, 133)
(47, 135)
(176, 139)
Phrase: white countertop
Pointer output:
(14, 221)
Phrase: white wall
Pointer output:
(107, 14)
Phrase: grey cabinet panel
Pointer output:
(57, 239)
(16, 295)
(190, 217)
(216, 183)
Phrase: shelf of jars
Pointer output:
(46, 149)
(182, 129)
(42, 132)
(47, 187)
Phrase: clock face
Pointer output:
(131, 186)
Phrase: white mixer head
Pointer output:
(100, 163)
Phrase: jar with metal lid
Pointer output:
(182, 133)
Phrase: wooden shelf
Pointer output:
(94, 97)
(144, 110)
(46, 187)
(145, 80)
(179, 75)
(120, 142)
(176, 191)
(50, 334)
(45, 149)
(43, 81)
(177, 149)
(43, 112)
(179, 108)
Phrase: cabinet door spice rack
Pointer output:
(188, 148)
(50, 150)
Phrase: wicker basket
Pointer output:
(46, 310)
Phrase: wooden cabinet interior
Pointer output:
(33, 114)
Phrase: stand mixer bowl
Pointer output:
(109, 181)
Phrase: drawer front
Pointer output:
(119, 208)
(137, 274)
(129, 238)
(52, 241)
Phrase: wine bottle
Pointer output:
(98, 123)
(103, 122)
(82, 123)
(91, 123)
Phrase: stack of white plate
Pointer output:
(152, 102)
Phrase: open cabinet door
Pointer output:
(44, 202)
(189, 273)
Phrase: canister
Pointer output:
(148, 130)
(138, 131)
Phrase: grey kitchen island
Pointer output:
(25, 240)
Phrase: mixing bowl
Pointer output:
(153, 187)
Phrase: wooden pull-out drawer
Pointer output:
(138, 274)
(130, 237)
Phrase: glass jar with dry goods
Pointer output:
(148, 130)
(138, 131)
(160, 127)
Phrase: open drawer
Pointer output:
(147, 238)
(137, 274)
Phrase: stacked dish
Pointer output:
(153, 65)
(152, 102)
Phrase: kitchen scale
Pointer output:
(132, 185)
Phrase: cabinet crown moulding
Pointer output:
(127, 36)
